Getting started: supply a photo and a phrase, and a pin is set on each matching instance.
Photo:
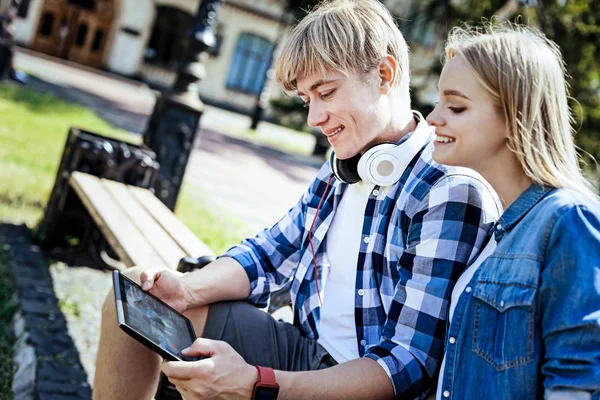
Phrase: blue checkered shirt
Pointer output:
(416, 241)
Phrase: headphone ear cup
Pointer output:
(379, 166)
(345, 170)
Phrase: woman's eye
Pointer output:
(456, 110)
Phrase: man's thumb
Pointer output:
(200, 347)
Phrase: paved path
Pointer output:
(256, 184)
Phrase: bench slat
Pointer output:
(124, 237)
(181, 234)
(159, 239)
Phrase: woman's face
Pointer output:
(470, 130)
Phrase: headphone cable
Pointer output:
(312, 248)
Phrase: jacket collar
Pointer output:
(517, 210)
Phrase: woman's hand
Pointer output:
(222, 375)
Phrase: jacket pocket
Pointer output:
(503, 325)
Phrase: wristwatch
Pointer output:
(266, 388)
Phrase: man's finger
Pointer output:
(183, 370)
(202, 347)
(147, 278)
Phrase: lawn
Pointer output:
(33, 130)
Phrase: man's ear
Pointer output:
(388, 73)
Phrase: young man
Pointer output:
(372, 264)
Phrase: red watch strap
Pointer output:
(266, 376)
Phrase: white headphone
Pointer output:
(383, 164)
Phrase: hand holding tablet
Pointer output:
(151, 321)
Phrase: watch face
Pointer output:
(265, 393)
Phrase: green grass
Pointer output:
(7, 339)
(213, 226)
(33, 130)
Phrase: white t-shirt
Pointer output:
(460, 287)
(337, 330)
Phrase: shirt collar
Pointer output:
(517, 210)
(423, 128)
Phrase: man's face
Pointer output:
(345, 108)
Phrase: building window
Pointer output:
(23, 9)
(98, 40)
(170, 30)
(250, 63)
(81, 35)
(47, 24)
(87, 4)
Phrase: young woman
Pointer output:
(525, 315)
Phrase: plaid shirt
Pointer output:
(416, 240)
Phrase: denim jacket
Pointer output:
(527, 326)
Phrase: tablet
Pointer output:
(151, 321)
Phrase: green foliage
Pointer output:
(299, 8)
(33, 131)
(574, 27)
(291, 112)
(7, 339)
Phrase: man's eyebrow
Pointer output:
(318, 83)
(455, 93)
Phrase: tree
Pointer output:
(573, 25)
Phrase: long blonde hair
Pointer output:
(524, 74)
(343, 36)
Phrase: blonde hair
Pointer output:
(342, 36)
(524, 74)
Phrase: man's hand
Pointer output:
(222, 375)
(167, 286)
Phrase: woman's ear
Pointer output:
(388, 72)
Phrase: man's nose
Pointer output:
(317, 115)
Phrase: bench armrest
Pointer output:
(188, 264)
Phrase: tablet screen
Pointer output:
(148, 316)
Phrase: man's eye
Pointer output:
(326, 95)
(306, 104)
(457, 110)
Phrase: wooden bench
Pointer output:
(143, 231)
(138, 226)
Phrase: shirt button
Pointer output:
(452, 340)
(375, 192)
(446, 393)
(367, 239)
(363, 342)
(501, 303)
(361, 292)
(468, 289)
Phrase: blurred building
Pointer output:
(145, 38)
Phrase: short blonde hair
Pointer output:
(524, 74)
(342, 36)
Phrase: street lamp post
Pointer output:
(175, 120)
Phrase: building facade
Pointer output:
(144, 39)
